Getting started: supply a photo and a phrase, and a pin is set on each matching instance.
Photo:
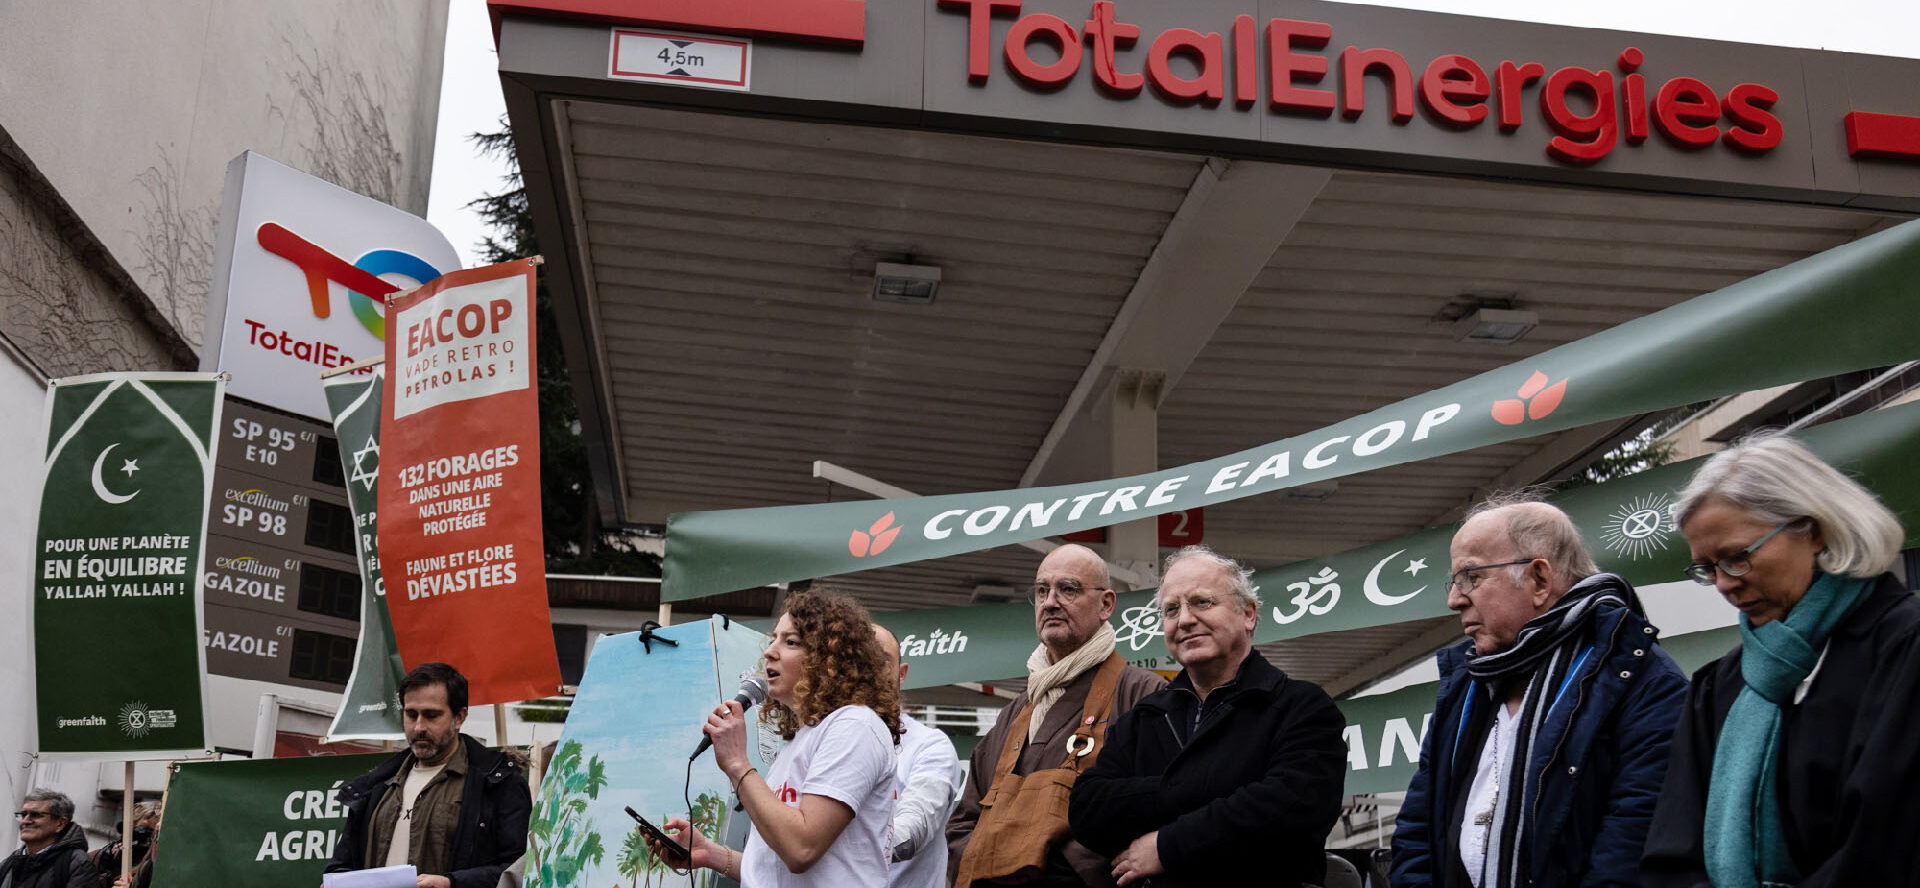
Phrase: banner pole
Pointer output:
(665, 618)
(369, 363)
(126, 827)
(500, 724)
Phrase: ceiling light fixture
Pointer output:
(1495, 326)
(1319, 491)
(904, 283)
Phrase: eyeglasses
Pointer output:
(1466, 579)
(1735, 565)
(1066, 591)
(31, 816)
(1199, 604)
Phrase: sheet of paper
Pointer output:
(384, 877)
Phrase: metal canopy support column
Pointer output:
(1134, 445)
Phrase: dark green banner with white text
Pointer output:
(370, 708)
(1625, 522)
(1849, 308)
(119, 670)
(270, 823)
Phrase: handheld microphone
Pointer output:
(753, 692)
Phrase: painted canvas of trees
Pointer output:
(561, 839)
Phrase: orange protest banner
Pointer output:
(459, 530)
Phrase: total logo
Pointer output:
(367, 291)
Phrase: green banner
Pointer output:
(1846, 309)
(1626, 523)
(370, 708)
(270, 822)
(1384, 732)
(119, 670)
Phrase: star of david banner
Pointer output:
(370, 709)
(1626, 523)
(119, 668)
(1849, 308)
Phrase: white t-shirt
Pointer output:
(927, 782)
(847, 757)
(417, 779)
(1496, 758)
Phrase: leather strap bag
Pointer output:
(1023, 818)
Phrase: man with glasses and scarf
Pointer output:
(1011, 824)
(1548, 743)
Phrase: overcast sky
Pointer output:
(470, 85)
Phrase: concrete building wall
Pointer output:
(117, 120)
(132, 109)
(22, 390)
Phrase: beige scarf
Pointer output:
(1047, 681)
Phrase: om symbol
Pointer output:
(1314, 595)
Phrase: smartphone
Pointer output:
(659, 835)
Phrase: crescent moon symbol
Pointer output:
(1372, 585)
(100, 487)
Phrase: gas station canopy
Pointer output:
(1127, 282)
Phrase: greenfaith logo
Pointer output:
(875, 539)
(1537, 399)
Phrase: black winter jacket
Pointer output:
(493, 816)
(43, 870)
(1246, 798)
(1849, 764)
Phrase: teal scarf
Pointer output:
(1745, 844)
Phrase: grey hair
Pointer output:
(1239, 579)
(61, 807)
(1776, 479)
(1540, 529)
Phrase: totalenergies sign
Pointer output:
(1291, 63)
(305, 268)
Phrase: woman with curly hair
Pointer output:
(823, 814)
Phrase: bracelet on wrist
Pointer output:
(743, 779)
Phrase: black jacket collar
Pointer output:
(1255, 675)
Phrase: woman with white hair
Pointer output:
(1798, 755)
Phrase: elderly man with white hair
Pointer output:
(1232, 775)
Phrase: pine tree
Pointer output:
(575, 540)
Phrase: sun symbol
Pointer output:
(133, 719)
(1139, 625)
(1639, 527)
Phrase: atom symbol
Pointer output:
(1139, 625)
(1638, 528)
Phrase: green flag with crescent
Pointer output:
(119, 670)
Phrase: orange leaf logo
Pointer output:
(1537, 400)
(873, 540)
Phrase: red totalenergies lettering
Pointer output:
(1589, 111)
(313, 351)
(467, 321)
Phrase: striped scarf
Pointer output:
(1549, 651)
